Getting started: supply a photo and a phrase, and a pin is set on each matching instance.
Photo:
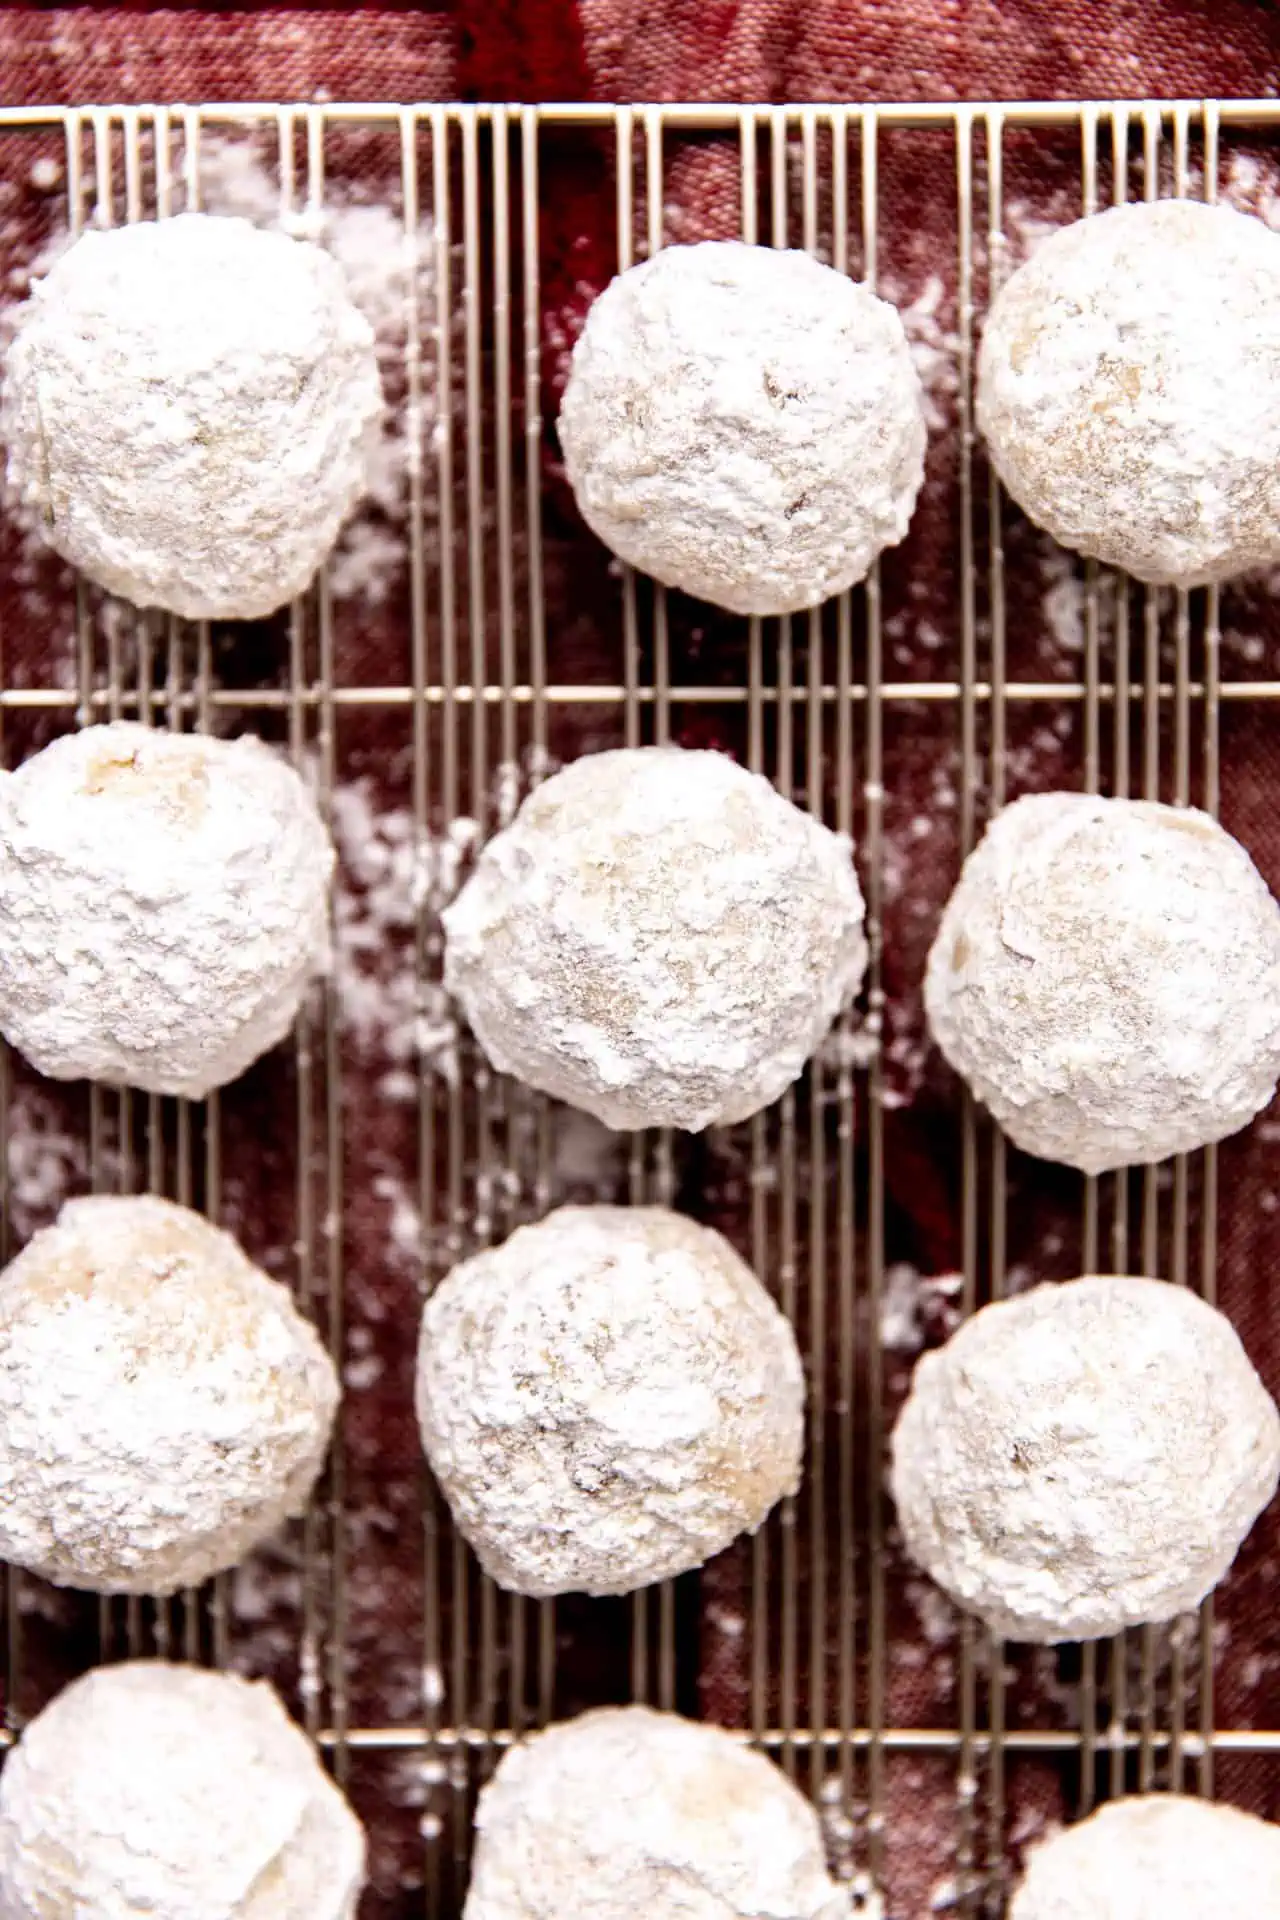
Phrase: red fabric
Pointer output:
(768, 50)
(644, 50)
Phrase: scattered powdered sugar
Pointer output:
(851, 1049)
(1063, 1696)
(867, 1899)
(935, 347)
(393, 874)
(46, 174)
(405, 1240)
(432, 1686)
(398, 1019)
(1027, 225)
(1063, 599)
(266, 1600)
(364, 1367)
(966, 1892)
(840, 1835)
(586, 1156)
(45, 1160)
(725, 1620)
(1251, 648)
(909, 635)
(938, 1620)
(1251, 181)
(905, 1054)
(34, 576)
(1040, 758)
(915, 1308)
(938, 800)
(368, 559)
(900, 1326)
(390, 871)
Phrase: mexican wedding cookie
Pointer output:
(153, 1789)
(1129, 390)
(745, 424)
(163, 1405)
(1159, 1856)
(607, 1399)
(163, 906)
(659, 938)
(1106, 977)
(189, 407)
(1084, 1457)
(627, 1814)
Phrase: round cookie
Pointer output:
(627, 1814)
(659, 938)
(145, 1788)
(1106, 977)
(1084, 1457)
(607, 1399)
(163, 1405)
(164, 905)
(189, 407)
(1129, 390)
(1159, 1856)
(744, 423)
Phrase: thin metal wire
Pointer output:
(1177, 1270)
(1092, 784)
(782, 1263)
(758, 1611)
(846, 1193)
(1148, 1638)
(12, 1578)
(684, 116)
(1208, 1265)
(965, 1875)
(538, 676)
(816, 1292)
(997, 754)
(980, 692)
(477, 684)
(873, 854)
(416, 1736)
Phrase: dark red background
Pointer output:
(761, 50)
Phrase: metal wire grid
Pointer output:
(819, 1707)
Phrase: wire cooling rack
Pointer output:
(481, 684)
